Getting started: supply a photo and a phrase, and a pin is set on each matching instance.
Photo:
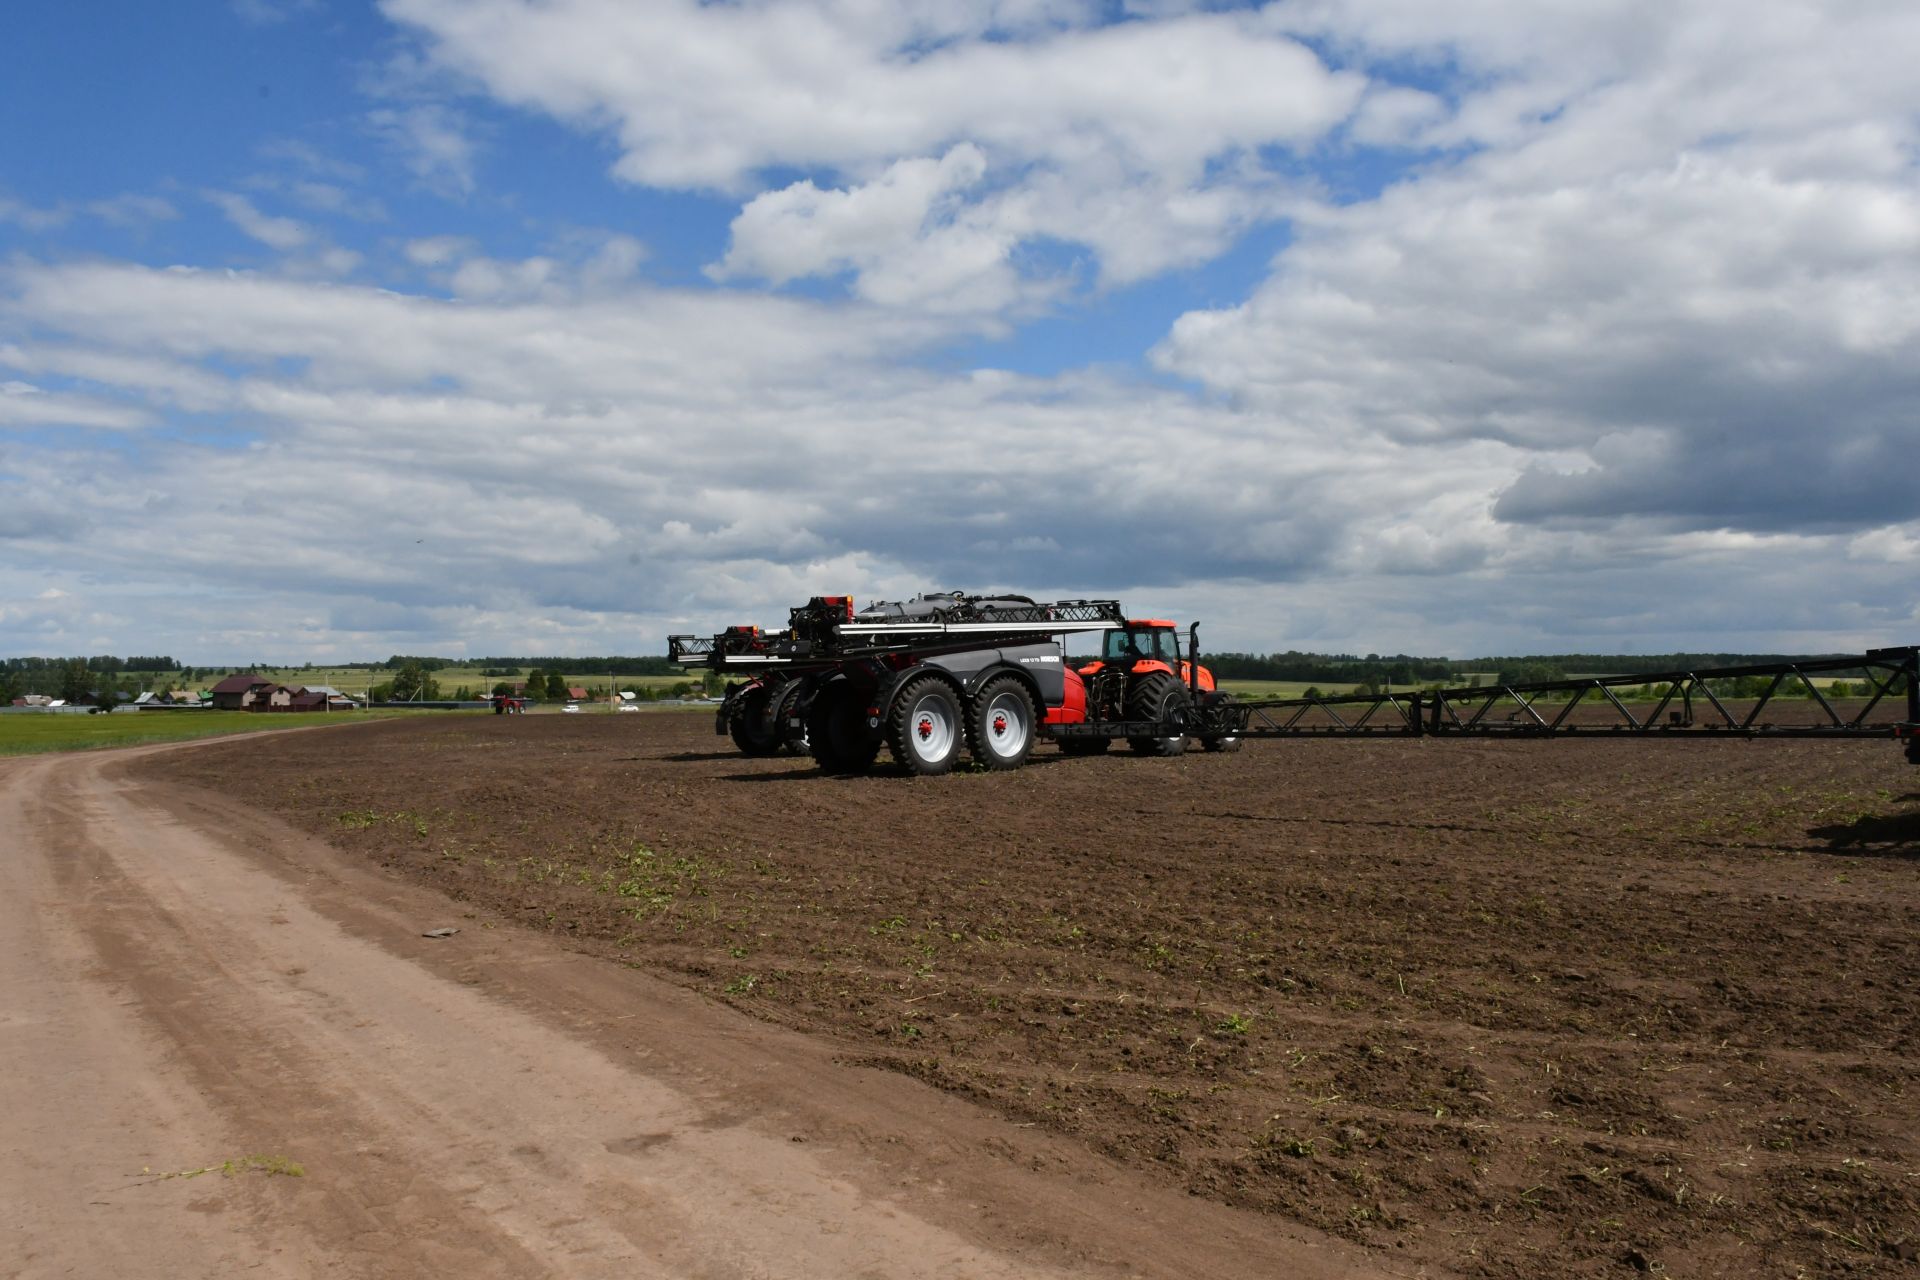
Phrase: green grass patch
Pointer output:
(358, 680)
(31, 734)
(277, 1166)
(1271, 688)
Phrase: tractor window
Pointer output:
(1128, 645)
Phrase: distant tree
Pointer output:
(503, 690)
(556, 685)
(112, 692)
(536, 683)
(76, 680)
(412, 684)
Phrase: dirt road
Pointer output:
(195, 1004)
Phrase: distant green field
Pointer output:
(1269, 688)
(1294, 688)
(25, 735)
(1298, 688)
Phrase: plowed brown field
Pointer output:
(1513, 1009)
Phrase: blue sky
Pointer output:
(334, 329)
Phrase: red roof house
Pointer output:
(244, 692)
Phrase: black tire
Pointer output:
(1085, 746)
(1213, 712)
(837, 733)
(780, 712)
(749, 724)
(925, 727)
(1158, 697)
(1001, 724)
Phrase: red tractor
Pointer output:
(1139, 677)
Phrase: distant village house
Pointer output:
(250, 692)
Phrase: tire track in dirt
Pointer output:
(477, 1106)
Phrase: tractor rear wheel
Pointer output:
(750, 725)
(1161, 698)
(837, 732)
(1000, 726)
(925, 729)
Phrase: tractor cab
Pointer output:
(1143, 639)
(1139, 649)
(1142, 647)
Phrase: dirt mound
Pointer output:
(1509, 1008)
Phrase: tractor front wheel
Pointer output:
(1160, 698)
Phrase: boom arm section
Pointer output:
(1687, 706)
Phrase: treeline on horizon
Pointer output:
(651, 665)
(101, 662)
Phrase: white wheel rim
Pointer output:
(1006, 725)
(930, 728)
